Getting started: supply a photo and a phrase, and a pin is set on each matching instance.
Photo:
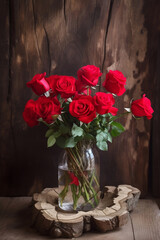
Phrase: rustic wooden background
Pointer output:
(60, 36)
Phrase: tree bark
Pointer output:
(111, 213)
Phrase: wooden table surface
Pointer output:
(15, 218)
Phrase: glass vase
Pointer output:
(78, 178)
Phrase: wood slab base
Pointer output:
(111, 213)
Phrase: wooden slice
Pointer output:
(111, 213)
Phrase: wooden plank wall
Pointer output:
(58, 37)
(152, 22)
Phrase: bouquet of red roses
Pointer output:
(73, 115)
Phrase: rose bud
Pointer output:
(89, 75)
(142, 107)
(114, 82)
(39, 84)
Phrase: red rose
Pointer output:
(114, 82)
(88, 75)
(64, 85)
(39, 84)
(81, 88)
(103, 103)
(142, 107)
(29, 114)
(82, 107)
(47, 108)
(74, 179)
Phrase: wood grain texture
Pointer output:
(58, 37)
(15, 221)
(153, 23)
(110, 214)
(55, 37)
(5, 106)
(146, 220)
(128, 156)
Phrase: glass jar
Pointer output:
(78, 178)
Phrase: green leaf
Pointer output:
(109, 138)
(60, 141)
(70, 143)
(78, 138)
(117, 129)
(110, 118)
(102, 145)
(51, 141)
(52, 132)
(104, 115)
(99, 131)
(99, 137)
(49, 133)
(59, 97)
(105, 130)
(104, 121)
(57, 134)
(64, 128)
(76, 131)
(89, 136)
(102, 135)
(40, 120)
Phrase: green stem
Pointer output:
(41, 120)
(82, 174)
(63, 193)
(95, 179)
(80, 170)
(79, 157)
(88, 91)
(87, 195)
(73, 196)
(119, 116)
